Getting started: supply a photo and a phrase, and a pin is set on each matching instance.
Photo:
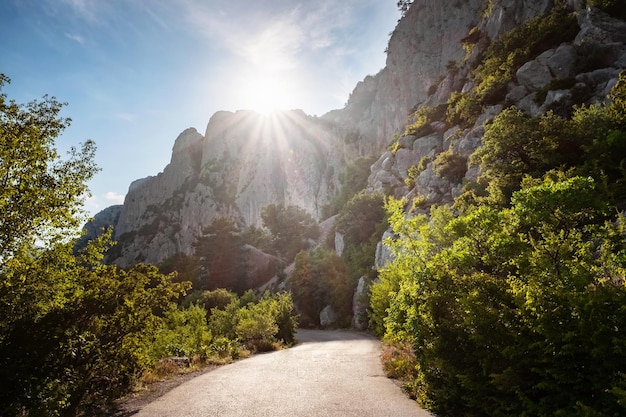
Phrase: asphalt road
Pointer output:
(329, 374)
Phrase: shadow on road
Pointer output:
(318, 336)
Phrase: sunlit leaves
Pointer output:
(41, 193)
(505, 307)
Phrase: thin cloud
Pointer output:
(128, 117)
(276, 35)
(77, 38)
(115, 198)
(87, 9)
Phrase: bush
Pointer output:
(450, 165)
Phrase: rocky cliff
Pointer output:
(244, 161)
(579, 69)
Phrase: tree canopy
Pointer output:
(290, 228)
(42, 194)
(72, 331)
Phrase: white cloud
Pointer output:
(115, 198)
(127, 117)
(92, 205)
(275, 35)
(77, 38)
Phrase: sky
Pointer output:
(136, 73)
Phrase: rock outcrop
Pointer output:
(245, 161)
(581, 70)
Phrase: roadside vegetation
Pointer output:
(76, 333)
(512, 301)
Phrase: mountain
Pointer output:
(451, 67)
(244, 162)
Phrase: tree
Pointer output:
(321, 278)
(304, 287)
(290, 227)
(41, 194)
(221, 256)
(73, 332)
(403, 6)
(512, 311)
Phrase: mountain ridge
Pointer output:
(243, 162)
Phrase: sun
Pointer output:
(266, 93)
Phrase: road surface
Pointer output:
(329, 374)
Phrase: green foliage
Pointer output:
(321, 278)
(515, 145)
(260, 325)
(218, 298)
(290, 228)
(220, 255)
(450, 165)
(268, 322)
(359, 218)
(75, 332)
(41, 193)
(514, 303)
(506, 308)
(354, 181)
(591, 142)
(505, 55)
(185, 333)
(422, 118)
(185, 266)
(256, 329)
(362, 222)
(463, 109)
(257, 237)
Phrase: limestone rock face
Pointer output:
(586, 66)
(105, 219)
(328, 316)
(243, 163)
(424, 42)
(431, 168)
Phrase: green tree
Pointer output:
(41, 194)
(290, 227)
(73, 332)
(321, 278)
(220, 256)
(305, 289)
(511, 311)
(185, 333)
(516, 145)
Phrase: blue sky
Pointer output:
(136, 73)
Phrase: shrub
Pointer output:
(450, 165)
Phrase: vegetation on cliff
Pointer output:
(511, 302)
